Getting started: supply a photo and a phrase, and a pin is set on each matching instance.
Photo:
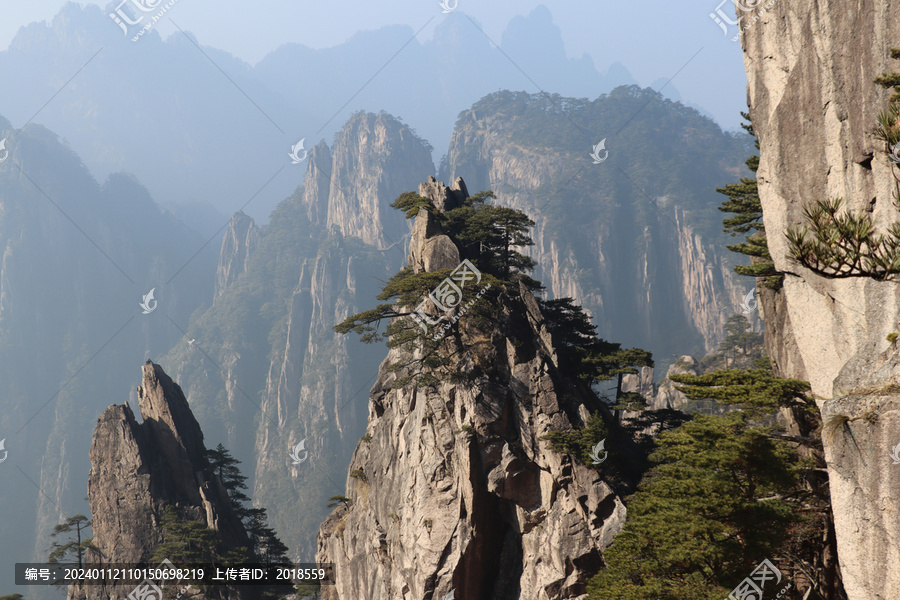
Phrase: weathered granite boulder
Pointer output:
(667, 396)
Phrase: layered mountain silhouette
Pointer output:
(163, 110)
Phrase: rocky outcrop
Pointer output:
(139, 469)
(667, 396)
(663, 396)
(810, 70)
(453, 489)
(429, 249)
(239, 242)
(363, 180)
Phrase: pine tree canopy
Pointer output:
(704, 516)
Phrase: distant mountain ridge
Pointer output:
(163, 111)
(637, 240)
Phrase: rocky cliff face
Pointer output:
(452, 490)
(810, 68)
(238, 244)
(139, 469)
(650, 274)
(287, 376)
(365, 179)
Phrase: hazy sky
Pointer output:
(654, 39)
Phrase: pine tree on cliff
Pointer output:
(485, 234)
(488, 236)
(811, 546)
(836, 242)
(187, 541)
(75, 548)
(740, 348)
(704, 516)
(597, 360)
(743, 201)
(192, 542)
(226, 467)
(267, 548)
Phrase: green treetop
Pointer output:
(743, 201)
(763, 396)
(704, 516)
(74, 549)
(836, 242)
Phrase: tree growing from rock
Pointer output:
(187, 541)
(705, 515)
(591, 358)
(741, 348)
(488, 235)
(743, 201)
(811, 547)
(74, 549)
(485, 234)
(266, 547)
(837, 243)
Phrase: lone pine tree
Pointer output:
(743, 201)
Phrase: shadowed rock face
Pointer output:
(138, 469)
(239, 242)
(810, 70)
(455, 490)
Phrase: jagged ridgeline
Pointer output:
(464, 484)
(637, 240)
